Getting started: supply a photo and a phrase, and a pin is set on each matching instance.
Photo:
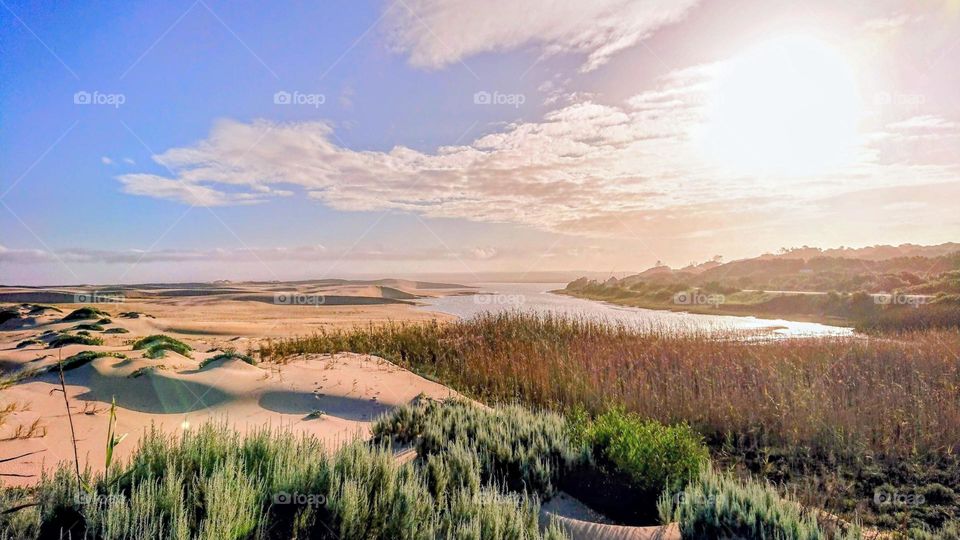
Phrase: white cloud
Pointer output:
(106, 160)
(585, 168)
(436, 33)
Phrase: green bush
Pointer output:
(87, 326)
(229, 355)
(521, 449)
(28, 342)
(85, 313)
(718, 506)
(213, 483)
(84, 358)
(157, 345)
(655, 456)
(67, 339)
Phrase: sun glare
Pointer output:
(788, 107)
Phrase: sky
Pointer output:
(205, 139)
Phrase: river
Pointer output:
(535, 297)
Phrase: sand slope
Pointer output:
(332, 397)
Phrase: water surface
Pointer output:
(535, 297)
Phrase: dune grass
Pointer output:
(69, 339)
(213, 483)
(157, 345)
(83, 358)
(89, 326)
(86, 312)
(833, 418)
(604, 462)
(117, 330)
(29, 342)
(228, 355)
(720, 506)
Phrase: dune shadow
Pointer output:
(154, 393)
(290, 402)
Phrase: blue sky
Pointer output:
(589, 160)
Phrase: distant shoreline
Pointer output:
(747, 310)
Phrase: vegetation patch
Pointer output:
(229, 355)
(89, 327)
(831, 419)
(40, 309)
(543, 452)
(83, 358)
(719, 506)
(29, 342)
(86, 312)
(157, 345)
(145, 370)
(116, 331)
(213, 483)
(68, 339)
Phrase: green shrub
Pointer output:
(157, 345)
(8, 315)
(85, 313)
(67, 339)
(655, 456)
(84, 358)
(229, 355)
(28, 342)
(516, 447)
(213, 483)
(88, 326)
(116, 331)
(718, 506)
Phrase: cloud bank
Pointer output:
(437, 33)
(579, 169)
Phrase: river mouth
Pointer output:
(537, 298)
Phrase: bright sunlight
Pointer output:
(787, 107)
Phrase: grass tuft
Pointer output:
(157, 345)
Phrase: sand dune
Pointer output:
(332, 397)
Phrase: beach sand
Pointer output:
(334, 397)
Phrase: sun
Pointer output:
(787, 107)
